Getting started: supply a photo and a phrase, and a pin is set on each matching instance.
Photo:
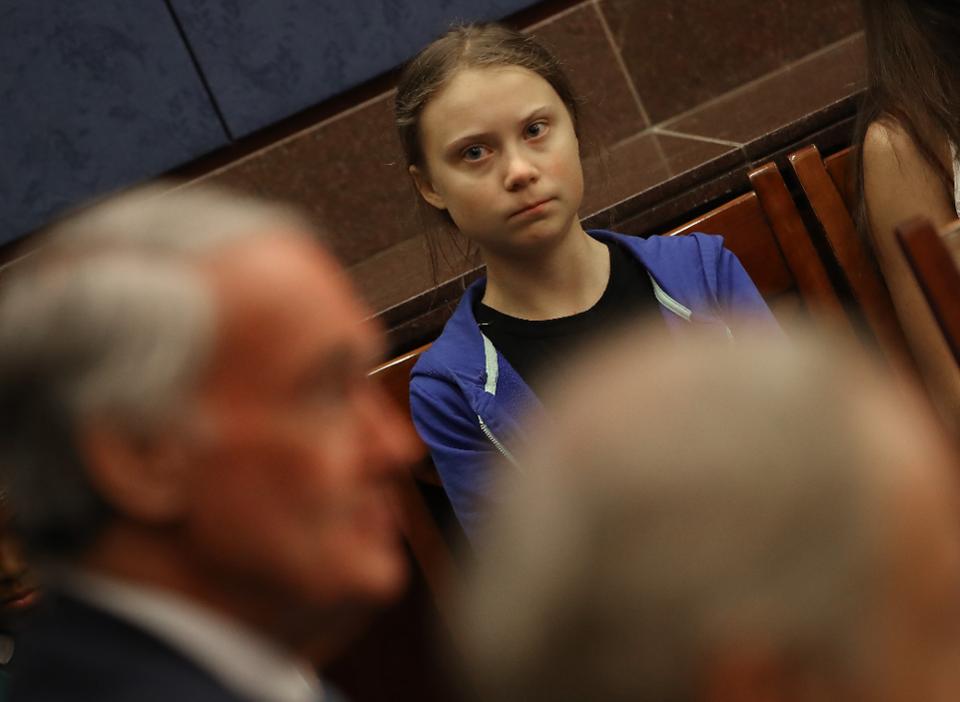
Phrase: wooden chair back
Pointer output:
(829, 189)
(935, 259)
(841, 167)
(764, 229)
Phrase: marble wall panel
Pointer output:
(770, 111)
(346, 174)
(681, 53)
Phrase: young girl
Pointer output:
(489, 126)
(909, 132)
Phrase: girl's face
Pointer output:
(502, 158)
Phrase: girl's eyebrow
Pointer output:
(534, 113)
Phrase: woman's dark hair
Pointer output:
(913, 73)
(461, 47)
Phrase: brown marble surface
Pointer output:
(346, 174)
(681, 53)
(651, 166)
(758, 115)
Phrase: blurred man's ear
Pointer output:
(144, 477)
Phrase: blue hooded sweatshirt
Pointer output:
(467, 401)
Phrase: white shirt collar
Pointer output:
(240, 659)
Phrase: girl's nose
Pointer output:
(521, 172)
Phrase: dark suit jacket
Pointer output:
(75, 652)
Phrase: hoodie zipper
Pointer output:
(490, 387)
(496, 442)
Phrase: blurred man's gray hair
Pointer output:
(107, 318)
(687, 495)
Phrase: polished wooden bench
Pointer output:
(765, 230)
(829, 189)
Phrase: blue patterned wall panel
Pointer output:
(267, 59)
(93, 96)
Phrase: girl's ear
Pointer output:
(426, 189)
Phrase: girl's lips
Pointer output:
(534, 208)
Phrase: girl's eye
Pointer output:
(474, 153)
(536, 129)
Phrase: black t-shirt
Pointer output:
(531, 346)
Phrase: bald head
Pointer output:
(692, 501)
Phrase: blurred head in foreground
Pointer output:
(184, 404)
(769, 521)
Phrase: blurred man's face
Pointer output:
(918, 631)
(291, 496)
